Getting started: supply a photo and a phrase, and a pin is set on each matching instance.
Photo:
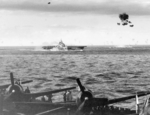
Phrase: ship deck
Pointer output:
(69, 108)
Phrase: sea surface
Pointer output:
(108, 72)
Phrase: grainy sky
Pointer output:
(76, 22)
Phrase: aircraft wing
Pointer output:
(48, 92)
(126, 98)
(27, 81)
(4, 86)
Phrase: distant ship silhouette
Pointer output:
(62, 47)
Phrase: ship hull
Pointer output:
(69, 48)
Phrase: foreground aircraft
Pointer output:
(15, 92)
(89, 104)
(18, 82)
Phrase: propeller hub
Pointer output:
(86, 95)
(15, 89)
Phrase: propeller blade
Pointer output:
(8, 97)
(28, 81)
(80, 108)
(82, 88)
(12, 79)
(84, 107)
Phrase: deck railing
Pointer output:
(50, 111)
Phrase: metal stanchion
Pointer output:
(68, 111)
(1, 104)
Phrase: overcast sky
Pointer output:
(76, 22)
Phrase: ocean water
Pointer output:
(108, 72)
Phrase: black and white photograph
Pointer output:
(74, 57)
